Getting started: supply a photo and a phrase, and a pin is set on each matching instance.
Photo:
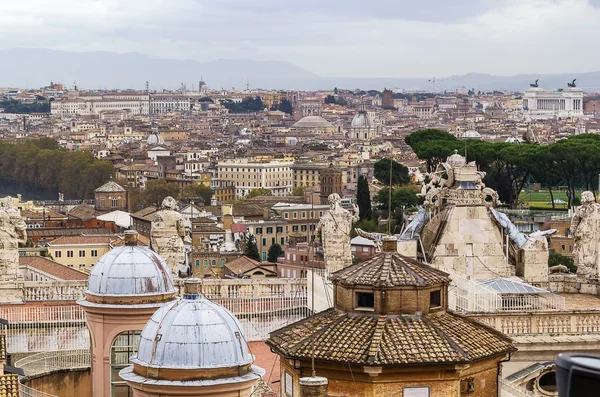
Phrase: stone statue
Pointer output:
(414, 228)
(572, 85)
(585, 227)
(12, 233)
(168, 234)
(335, 227)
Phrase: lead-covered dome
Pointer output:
(362, 120)
(130, 271)
(155, 139)
(193, 333)
(313, 122)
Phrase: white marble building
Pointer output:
(540, 103)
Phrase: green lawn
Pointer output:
(541, 199)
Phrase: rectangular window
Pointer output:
(295, 215)
(279, 229)
(435, 298)
(286, 215)
(365, 249)
(82, 253)
(562, 248)
(259, 230)
(269, 230)
(94, 253)
(353, 249)
(264, 256)
(264, 242)
(197, 262)
(303, 214)
(295, 228)
(69, 254)
(57, 254)
(282, 241)
(365, 300)
(206, 262)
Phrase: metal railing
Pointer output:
(47, 362)
(508, 389)
(26, 391)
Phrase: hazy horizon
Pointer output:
(349, 38)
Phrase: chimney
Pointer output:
(314, 386)
(131, 238)
(390, 244)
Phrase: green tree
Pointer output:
(156, 190)
(399, 175)
(275, 251)
(555, 259)
(250, 248)
(248, 105)
(198, 191)
(298, 191)
(286, 107)
(259, 192)
(329, 99)
(432, 145)
(363, 198)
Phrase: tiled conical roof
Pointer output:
(389, 269)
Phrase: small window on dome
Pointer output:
(365, 300)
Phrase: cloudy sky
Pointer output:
(375, 38)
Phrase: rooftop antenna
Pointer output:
(247, 84)
(147, 86)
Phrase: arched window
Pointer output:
(123, 347)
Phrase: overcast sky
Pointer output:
(375, 38)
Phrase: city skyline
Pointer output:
(334, 38)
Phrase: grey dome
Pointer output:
(316, 122)
(130, 271)
(155, 139)
(192, 333)
(362, 120)
(456, 159)
(471, 134)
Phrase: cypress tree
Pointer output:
(363, 198)
(251, 250)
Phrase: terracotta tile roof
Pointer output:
(54, 233)
(110, 187)
(9, 385)
(143, 213)
(385, 340)
(238, 228)
(247, 210)
(242, 265)
(389, 269)
(2, 347)
(48, 214)
(53, 268)
(83, 211)
(71, 240)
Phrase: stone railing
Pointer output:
(574, 322)
(254, 288)
(53, 290)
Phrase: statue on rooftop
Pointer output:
(335, 227)
(584, 226)
(168, 234)
(12, 233)
(534, 85)
(572, 85)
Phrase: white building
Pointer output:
(540, 103)
(277, 176)
(97, 104)
(160, 104)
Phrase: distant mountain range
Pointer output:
(32, 68)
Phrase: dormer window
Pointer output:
(365, 301)
(435, 298)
